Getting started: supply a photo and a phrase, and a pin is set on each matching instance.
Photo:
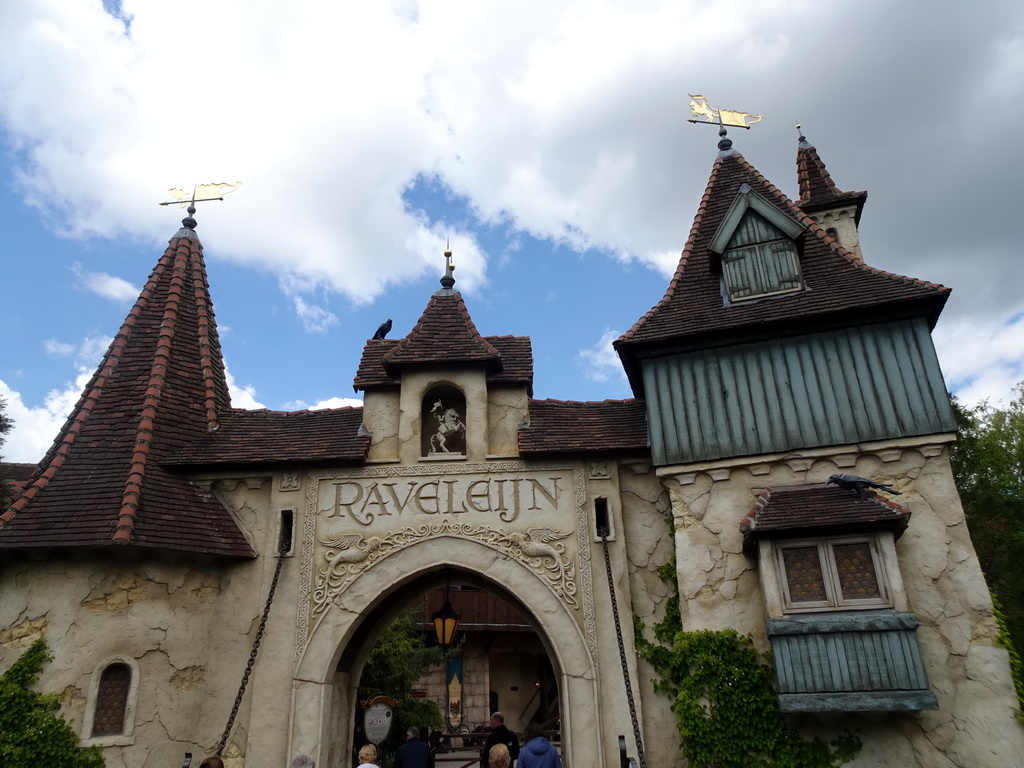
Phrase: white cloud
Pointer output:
(315, 319)
(60, 348)
(563, 119)
(600, 362)
(981, 362)
(36, 427)
(337, 402)
(242, 396)
(107, 286)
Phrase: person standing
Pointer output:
(368, 756)
(498, 756)
(500, 734)
(538, 752)
(414, 753)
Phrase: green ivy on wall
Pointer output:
(724, 699)
(1004, 640)
(31, 733)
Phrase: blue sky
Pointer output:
(547, 140)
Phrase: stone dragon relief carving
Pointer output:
(344, 557)
(348, 555)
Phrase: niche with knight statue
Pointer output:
(443, 416)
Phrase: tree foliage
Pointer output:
(31, 733)
(6, 423)
(398, 660)
(988, 465)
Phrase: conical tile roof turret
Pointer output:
(160, 385)
(837, 288)
(835, 211)
(817, 190)
(445, 333)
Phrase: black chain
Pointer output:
(622, 655)
(252, 654)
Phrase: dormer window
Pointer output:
(757, 245)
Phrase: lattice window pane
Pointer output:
(111, 700)
(856, 570)
(803, 574)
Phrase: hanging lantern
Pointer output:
(446, 621)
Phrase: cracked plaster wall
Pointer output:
(380, 416)
(189, 626)
(719, 588)
(506, 411)
(646, 526)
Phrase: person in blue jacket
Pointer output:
(538, 752)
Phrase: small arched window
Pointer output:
(443, 416)
(112, 700)
(110, 709)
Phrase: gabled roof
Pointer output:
(516, 363)
(160, 385)
(839, 289)
(806, 509)
(445, 334)
(747, 200)
(331, 436)
(817, 190)
(566, 427)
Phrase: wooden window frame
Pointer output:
(826, 558)
(770, 256)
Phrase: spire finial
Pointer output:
(448, 281)
(801, 140)
(724, 144)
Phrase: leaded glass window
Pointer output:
(826, 574)
(112, 700)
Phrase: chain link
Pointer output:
(622, 655)
(252, 654)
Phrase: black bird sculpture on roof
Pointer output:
(860, 484)
(382, 329)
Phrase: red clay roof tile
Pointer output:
(560, 427)
(806, 508)
(444, 334)
(333, 436)
(515, 352)
(160, 385)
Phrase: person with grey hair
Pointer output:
(303, 761)
(414, 753)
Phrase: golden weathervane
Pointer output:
(705, 113)
(201, 193)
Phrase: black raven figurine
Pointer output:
(860, 484)
(383, 329)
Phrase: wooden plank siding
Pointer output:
(832, 388)
(847, 662)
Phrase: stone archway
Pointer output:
(323, 691)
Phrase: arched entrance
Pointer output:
(327, 675)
